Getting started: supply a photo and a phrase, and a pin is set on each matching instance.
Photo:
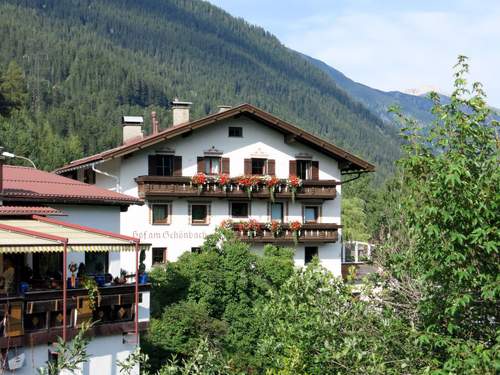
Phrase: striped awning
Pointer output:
(41, 234)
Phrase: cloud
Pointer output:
(401, 49)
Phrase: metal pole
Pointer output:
(65, 287)
(136, 318)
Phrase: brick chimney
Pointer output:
(180, 112)
(154, 123)
(132, 128)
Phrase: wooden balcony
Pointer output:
(35, 318)
(309, 233)
(161, 186)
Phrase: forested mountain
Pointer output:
(418, 107)
(89, 62)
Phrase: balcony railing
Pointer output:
(308, 233)
(36, 317)
(165, 186)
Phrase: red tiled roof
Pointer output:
(28, 210)
(33, 185)
(349, 161)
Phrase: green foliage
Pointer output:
(216, 293)
(314, 325)
(354, 220)
(70, 355)
(448, 241)
(12, 89)
(87, 63)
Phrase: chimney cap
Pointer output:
(222, 108)
(132, 120)
(178, 103)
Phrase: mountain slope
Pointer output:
(88, 62)
(379, 101)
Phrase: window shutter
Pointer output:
(248, 167)
(271, 167)
(177, 166)
(152, 165)
(315, 170)
(201, 164)
(225, 165)
(293, 168)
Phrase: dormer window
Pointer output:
(236, 131)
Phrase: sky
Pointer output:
(388, 44)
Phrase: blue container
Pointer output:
(143, 278)
(100, 280)
(23, 287)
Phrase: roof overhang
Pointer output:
(349, 162)
(41, 234)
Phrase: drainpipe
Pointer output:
(116, 178)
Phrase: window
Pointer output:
(160, 213)
(96, 263)
(304, 168)
(259, 166)
(309, 253)
(311, 214)
(89, 176)
(239, 209)
(212, 165)
(159, 255)
(277, 211)
(164, 165)
(196, 250)
(235, 131)
(200, 213)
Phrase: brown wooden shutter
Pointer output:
(271, 167)
(201, 164)
(225, 165)
(177, 166)
(152, 165)
(293, 168)
(247, 167)
(315, 170)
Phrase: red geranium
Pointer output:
(223, 179)
(294, 181)
(295, 226)
(199, 179)
(272, 181)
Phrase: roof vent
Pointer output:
(223, 108)
(180, 112)
(132, 128)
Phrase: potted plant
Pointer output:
(72, 280)
(199, 180)
(93, 292)
(295, 227)
(293, 184)
(274, 227)
(99, 277)
(252, 226)
(272, 184)
(223, 180)
(122, 279)
(226, 224)
(249, 184)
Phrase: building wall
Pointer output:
(257, 141)
(99, 217)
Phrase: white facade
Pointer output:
(258, 141)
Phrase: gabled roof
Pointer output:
(348, 161)
(32, 185)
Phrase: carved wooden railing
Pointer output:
(309, 233)
(36, 316)
(163, 186)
